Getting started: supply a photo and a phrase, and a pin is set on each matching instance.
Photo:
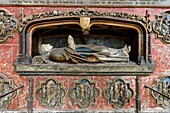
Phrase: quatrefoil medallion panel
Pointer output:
(8, 25)
(162, 86)
(84, 93)
(51, 93)
(118, 93)
(6, 85)
(161, 26)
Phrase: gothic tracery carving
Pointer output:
(161, 26)
(162, 86)
(50, 93)
(84, 12)
(8, 25)
(6, 86)
(118, 93)
(84, 93)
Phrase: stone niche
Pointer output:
(111, 30)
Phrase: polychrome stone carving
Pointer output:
(161, 26)
(84, 93)
(8, 25)
(163, 87)
(50, 93)
(118, 93)
(6, 85)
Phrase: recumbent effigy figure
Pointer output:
(88, 53)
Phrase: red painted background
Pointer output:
(10, 50)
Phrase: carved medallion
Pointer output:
(8, 25)
(84, 93)
(118, 93)
(163, 87)
(161, 26)
(50, 93)
(6, 86)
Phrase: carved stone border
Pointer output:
(163, 86)
(8, 25)
(161, 26)
(89, 3)
(83, 12)
(50, 93)
(84, 92)
(6, 85)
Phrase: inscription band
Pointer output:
(97, 3)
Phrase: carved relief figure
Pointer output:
(161, 26)
(162, 86)
(6, 86)
(84, 93)
(88, 53)
(51, 93)
(8, 25)
(118, 93)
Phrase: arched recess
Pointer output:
(109, 22)
(117, 32)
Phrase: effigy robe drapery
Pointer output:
(88, 53)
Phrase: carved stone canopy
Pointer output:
(110, 29)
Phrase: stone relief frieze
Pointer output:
(51, 93)
(84, 93)
(8, 25)
(161, 26)
(6, 85)
(84, 12)
(161, 91)
(118, 93)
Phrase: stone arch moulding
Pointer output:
(120, 23)
(8, 25)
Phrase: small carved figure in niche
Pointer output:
(111, 91)
(89, 53)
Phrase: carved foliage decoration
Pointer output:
(84, 12)
(8, 25)
(51, 93)
(118, 93)
(6, 86)
(84, 93)
(162, 86)
(161, 26)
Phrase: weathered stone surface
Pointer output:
(10, 50)
(99, 3)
